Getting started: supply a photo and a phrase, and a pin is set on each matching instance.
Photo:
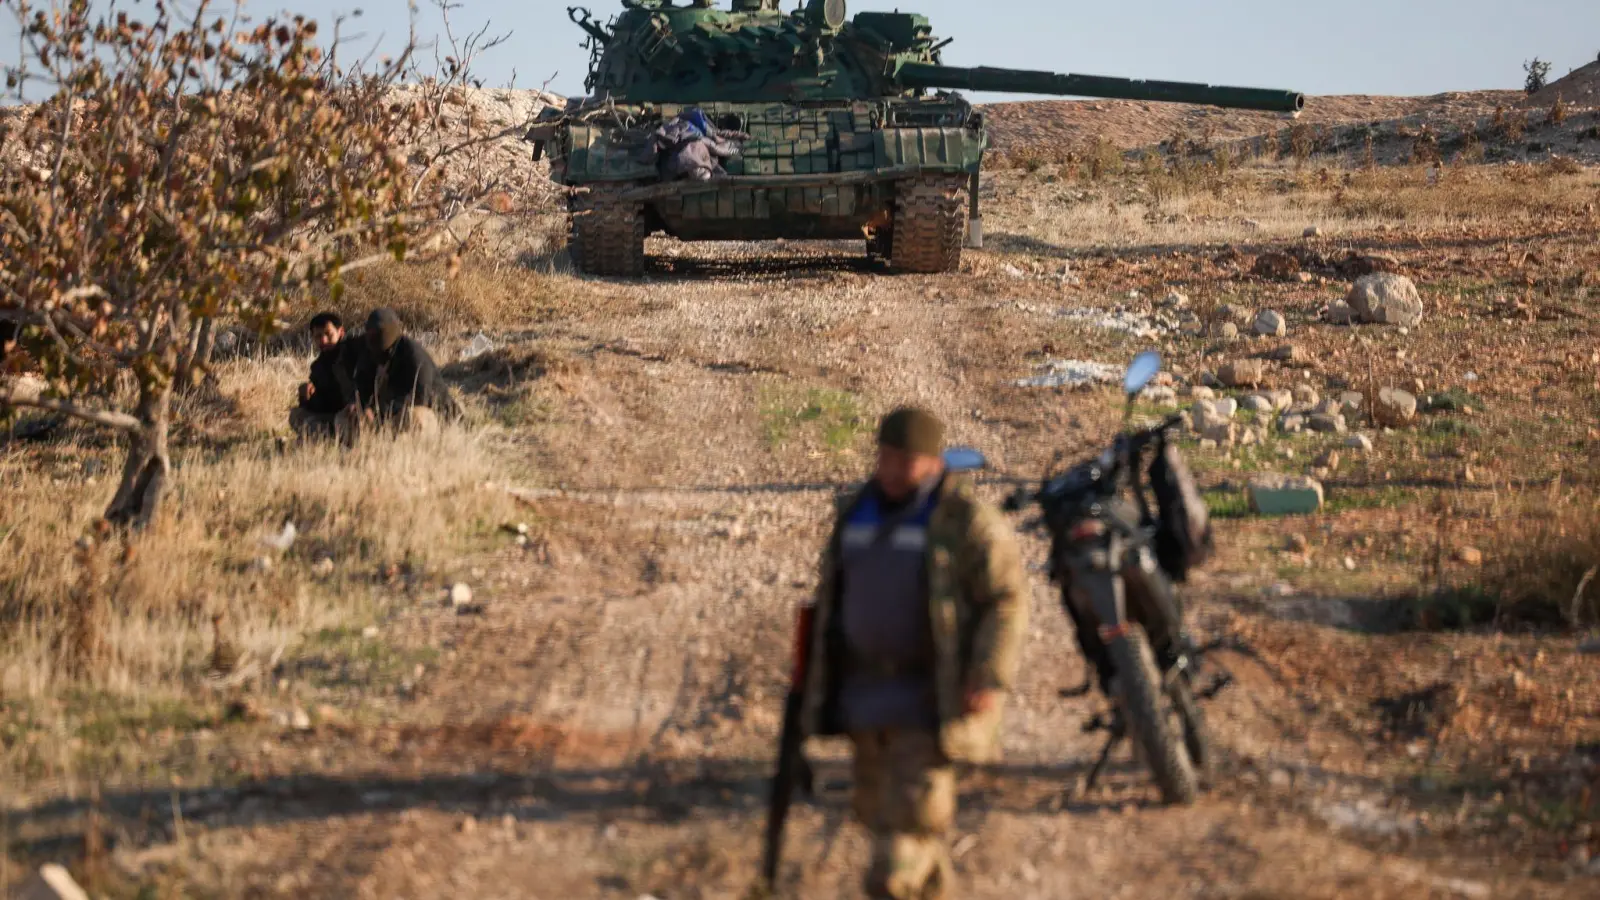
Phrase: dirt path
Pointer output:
(605, 725)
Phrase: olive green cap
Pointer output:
(913, 430)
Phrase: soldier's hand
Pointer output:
(978, 702)
(306, 390)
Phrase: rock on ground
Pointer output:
(1258, 404)
(1072, 373)
(1243, 373)
(1328, 423)
(1271, 323)
(1208, 414)
(1395, 408)
(1384, 298)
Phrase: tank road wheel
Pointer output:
(607, 233)
(929, 224)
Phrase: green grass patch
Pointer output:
(1346, 499)
(831, 418)
(522, 411)
(1453, 400)
(344, 657)
(1228, 505)
(107, 719)
(1452, 428)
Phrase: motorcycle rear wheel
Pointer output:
(1148, 714)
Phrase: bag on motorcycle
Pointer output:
(1183, 533)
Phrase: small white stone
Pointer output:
(1270, 323)
(460, 594)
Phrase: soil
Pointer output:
(600, 721)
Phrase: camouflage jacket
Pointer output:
(978, 605)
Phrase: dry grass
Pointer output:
(430, 297)
(1198, 203)
(132, 617)
(1548, 566)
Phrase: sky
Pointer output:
(1352, 47)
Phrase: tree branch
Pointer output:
(29, 392)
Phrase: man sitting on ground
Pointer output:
(398, 383)
(325, 395)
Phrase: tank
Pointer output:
(849, 128)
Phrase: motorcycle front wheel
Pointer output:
(1150, 718)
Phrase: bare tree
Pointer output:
(192, 166)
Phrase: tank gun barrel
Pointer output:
(1020, 81)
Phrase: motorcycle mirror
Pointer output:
(964, 459)
(1144, 368)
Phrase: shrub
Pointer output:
(1558, 112)
(1538, 72)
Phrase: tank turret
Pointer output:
(657, 52)
(850, 127)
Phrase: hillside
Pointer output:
(1053, 126)
(1581, 87)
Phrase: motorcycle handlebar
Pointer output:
(1133, 442)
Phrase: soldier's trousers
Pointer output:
(311, 425)
(416, 420)
(905, 794)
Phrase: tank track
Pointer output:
(607, 233)
(929, 224)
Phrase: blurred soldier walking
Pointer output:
(920, 619)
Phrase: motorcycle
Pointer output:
(1117, 559)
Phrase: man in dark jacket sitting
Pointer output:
(325, 394)
(397, 382)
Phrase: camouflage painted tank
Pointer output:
(850, 129)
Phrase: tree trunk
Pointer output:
(144, 475)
